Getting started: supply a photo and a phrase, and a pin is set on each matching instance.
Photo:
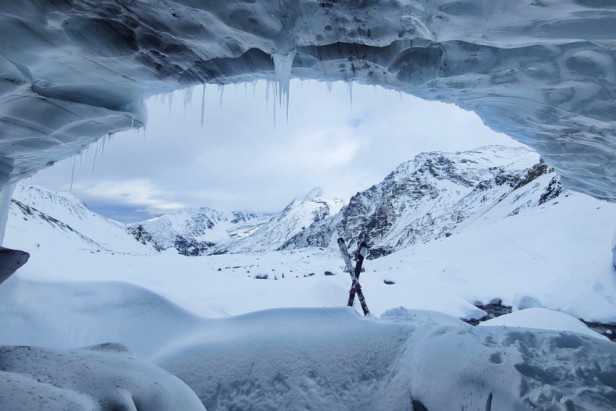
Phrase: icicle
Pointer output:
(221, 90)
(203, 106)
(188, 94)
(283, 63)
(329, 86)
(350, 87)
(170, 102)
(267, 94)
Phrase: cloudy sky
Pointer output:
(248, 156)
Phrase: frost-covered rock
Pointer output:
(102, 377)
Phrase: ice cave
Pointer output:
(540, 71)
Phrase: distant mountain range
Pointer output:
(431, 196)
(197, 231)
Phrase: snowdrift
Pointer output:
(317, 359)
(292, 358)
(103, 377)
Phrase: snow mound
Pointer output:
(103, 377)
(65, 315)
(542, 318)
(334, 359)
(291, 358)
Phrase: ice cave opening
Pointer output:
(227, 147)
(540, 71)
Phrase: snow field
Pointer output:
(236, 342)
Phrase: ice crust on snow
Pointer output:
(539, 71)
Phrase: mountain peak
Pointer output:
(315, 193)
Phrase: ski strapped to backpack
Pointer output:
(355, 287)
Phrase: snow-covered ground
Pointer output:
(287, 342)
(557, 256)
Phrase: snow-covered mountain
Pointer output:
(296, 217)
(195, 231)
(434, 195)
(45, 218)
(431, 196)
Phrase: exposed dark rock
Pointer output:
(553, 190)
(144, 237)
(608, 330)
(493, 309)
(191, 247)
(535, 172)
(418, 406)
(11, 261)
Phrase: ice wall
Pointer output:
(542, 71)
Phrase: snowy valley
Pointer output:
(266, 328)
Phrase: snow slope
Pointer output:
(46, 218)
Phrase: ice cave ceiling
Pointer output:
(541, 71)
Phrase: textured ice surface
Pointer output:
(541, 71)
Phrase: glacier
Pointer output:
(541, 71)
